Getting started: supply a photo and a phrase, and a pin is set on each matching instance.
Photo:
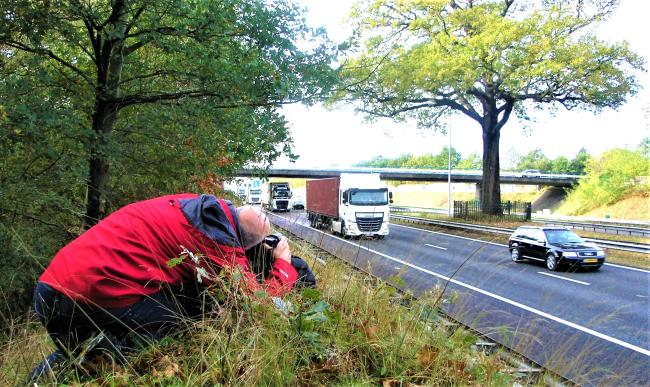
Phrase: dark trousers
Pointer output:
(70, 323)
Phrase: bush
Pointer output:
(609, 178)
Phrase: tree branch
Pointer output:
(50, 54)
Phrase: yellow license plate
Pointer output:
(590, 260)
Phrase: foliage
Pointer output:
(609, 178)
(536, 159)
(424, 60)
(107, 102)
(159, 91)
(426, 161)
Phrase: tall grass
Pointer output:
(617, 173)
(353, 329)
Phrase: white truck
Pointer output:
(352, 204)
(279, 194)
(254, 194)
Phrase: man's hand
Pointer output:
(282, 250)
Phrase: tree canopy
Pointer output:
(486, 59)
(169, 88)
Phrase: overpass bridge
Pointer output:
(429, 175)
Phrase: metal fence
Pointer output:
(507, 210)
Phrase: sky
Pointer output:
(341, 138)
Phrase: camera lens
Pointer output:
(272, 240)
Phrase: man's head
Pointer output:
(254, 225)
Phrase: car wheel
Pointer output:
(551, 262)
(515, 255)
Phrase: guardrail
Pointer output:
(616, 245)
(630, 228)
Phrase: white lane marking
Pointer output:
(641, 295)
(564, 278)
(501, 244)
(627, 267)
(500, 298)
(437, 247)
(449, 235)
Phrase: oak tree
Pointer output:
(486, 59)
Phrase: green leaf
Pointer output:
(176, 261)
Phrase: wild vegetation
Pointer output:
(353, 329)
(615, 175)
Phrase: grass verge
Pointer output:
(352, 330)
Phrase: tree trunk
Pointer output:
(491, 187)
(98, 165)
(110, 61)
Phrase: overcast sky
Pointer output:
(325, 138)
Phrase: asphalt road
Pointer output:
(590, 327)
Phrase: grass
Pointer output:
(352, 330)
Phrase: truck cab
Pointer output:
(363, 211)
(254, 194)
(279, 196)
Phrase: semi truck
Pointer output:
(279, 196)
(352, 204)
(254, 194)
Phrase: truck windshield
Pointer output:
(369, 197)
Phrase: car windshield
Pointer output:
(562, 236)
(367, 197)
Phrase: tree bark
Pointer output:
(110, 60)
(491, 187)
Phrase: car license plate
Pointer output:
(590, 260)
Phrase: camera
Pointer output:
(260, 257)
(272, 240)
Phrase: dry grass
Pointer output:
(352, 330)
(633, 207)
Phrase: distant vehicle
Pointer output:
(254, 194)
(352, 204)
(298, 203)
(531, 173)
(554, 245)
(279, 196)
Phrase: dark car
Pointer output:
(298, 204)
(555, 245)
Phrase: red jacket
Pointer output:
(125, 256)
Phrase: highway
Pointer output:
(590, 327)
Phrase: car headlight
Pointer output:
(600, 253)
(570, 254)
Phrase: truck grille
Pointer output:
(282, 204)
(369, 224)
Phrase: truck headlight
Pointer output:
(570, 254)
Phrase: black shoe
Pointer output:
(48, 367)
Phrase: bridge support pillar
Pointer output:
(477, 194)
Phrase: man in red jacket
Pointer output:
(116, 278)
